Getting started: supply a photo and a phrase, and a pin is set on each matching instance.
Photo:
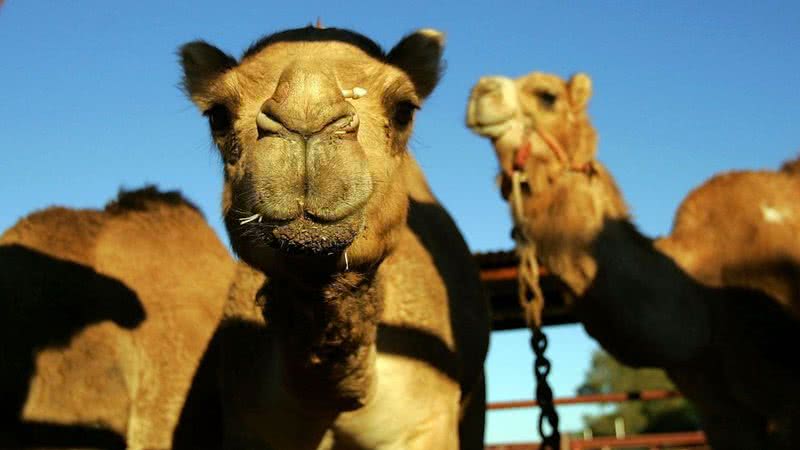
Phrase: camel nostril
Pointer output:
(285, 116)
(347, 123)
(268, 123)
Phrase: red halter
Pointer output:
(524, 152)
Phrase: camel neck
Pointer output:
(639, 304)
(325, 335)
(631, 297)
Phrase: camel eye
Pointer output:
(546, 99)
(219, 119)
(404, 112)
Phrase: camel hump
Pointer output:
(146, 199)
(792, 166)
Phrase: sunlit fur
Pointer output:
(683, 302)
(358, 320)
(104, 317)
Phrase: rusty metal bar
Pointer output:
(499, 274)
(512, 447)
(654, 394)
(656, 440)
(507, 273)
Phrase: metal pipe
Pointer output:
(615, 397)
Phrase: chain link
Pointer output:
(551, 437)
(532, 302)
(533, 305)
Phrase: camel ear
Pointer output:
(420, 56)
(580, 90)
(202, 63)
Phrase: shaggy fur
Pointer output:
(357, 319)
(105, 317)
(710, 303)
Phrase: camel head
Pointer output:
(531, 119)
(538, 125)
(312, 126)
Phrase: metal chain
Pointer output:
(551, 439)
(532, 303)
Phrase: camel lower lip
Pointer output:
(491, 129)
(306, 236)
(491, 122)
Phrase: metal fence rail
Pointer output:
(615, 397)
(690, 439)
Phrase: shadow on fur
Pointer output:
(44, 302)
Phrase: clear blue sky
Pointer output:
(683, 89)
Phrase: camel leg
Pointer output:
(473, 417)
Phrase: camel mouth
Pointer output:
(486, 123)
(492, 106)
(493, 130)
(304, 235)
(487, 120)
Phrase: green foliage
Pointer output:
(607, 375)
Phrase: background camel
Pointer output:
(104, 318)
(371, 330)
(709, 303)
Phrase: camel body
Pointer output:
(712, 303)
(106, 315)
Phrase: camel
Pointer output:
(357, 318)
(104, 318)
(712, 303)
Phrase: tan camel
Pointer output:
(707, 303)
(104, 318)
(372, 329)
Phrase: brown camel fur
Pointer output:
(105, 316)
(710, 303)
(358, 320)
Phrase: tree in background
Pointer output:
(607, 375)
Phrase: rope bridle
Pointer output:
(524, 152)
(530, 293)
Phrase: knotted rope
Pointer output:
(532, 302)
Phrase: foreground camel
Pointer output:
(356, 320)
(104, 318)
(711, 303)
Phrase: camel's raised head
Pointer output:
(312, 125)
(537, 123)
(539, 126)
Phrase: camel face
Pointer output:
(312, 125)
(532, 109)
(538, 125)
